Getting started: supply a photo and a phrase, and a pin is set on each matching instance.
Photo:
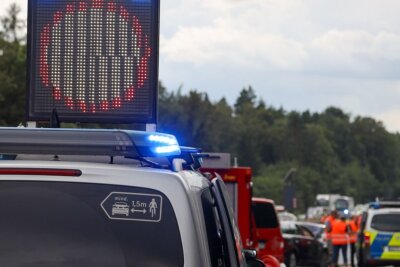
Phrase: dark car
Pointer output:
(318, 230)
(302, 247)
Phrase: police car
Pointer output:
(111, 198)
(379, 236)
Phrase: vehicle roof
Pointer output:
(264, 200)
(383, 211)
(286, 216)
(383, 204)
(311, 224)
(288, 223)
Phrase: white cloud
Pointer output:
(235, 32)
(335, 51)
(355, 50)
(223, 44)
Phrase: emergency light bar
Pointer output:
(384, 204)
(125, 143)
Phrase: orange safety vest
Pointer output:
(328, 221)
(353, 231)
(339, 233)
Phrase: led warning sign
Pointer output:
(93, 60)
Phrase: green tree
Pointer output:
(12, 69)
(196, 120)
(245, 101)
(12, 25)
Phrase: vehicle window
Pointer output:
(213, 228)
(289, 228)
(64, 224)
(341, 204)
(386, 222)
(265, 215)
(323, 202)
(305, 232)
(315, 229)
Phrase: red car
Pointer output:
(270, 239)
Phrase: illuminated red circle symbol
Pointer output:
(94, 56)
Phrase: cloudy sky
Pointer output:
(298, 54)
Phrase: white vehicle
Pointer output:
(379, 235)
(343, 204)
(59, 197)
(286, 216)
(315, 212)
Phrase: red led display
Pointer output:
(93, 60)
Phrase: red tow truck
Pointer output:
(258, 223)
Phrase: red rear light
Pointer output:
(367, 239)
(39, 171)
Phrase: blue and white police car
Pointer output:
(379, 236)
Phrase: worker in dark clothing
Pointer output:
(353, 226)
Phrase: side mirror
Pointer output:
(251, 258)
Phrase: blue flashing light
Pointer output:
(346, 211)
(163, 144)
(374, 205)
(163, 139)
(169, 150)
(7, 157)
(157, 145)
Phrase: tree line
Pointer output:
(331, 151)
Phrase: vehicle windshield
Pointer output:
(323, 202)
(341, 204)
(386, 222)
(73, 224)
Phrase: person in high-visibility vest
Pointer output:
(329, 220)
(340, 239)
(328, 228)
(353, 225)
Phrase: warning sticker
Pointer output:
(133, 206)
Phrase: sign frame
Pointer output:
(130, 210)
(111, 117)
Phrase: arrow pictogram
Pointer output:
(142, 211)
